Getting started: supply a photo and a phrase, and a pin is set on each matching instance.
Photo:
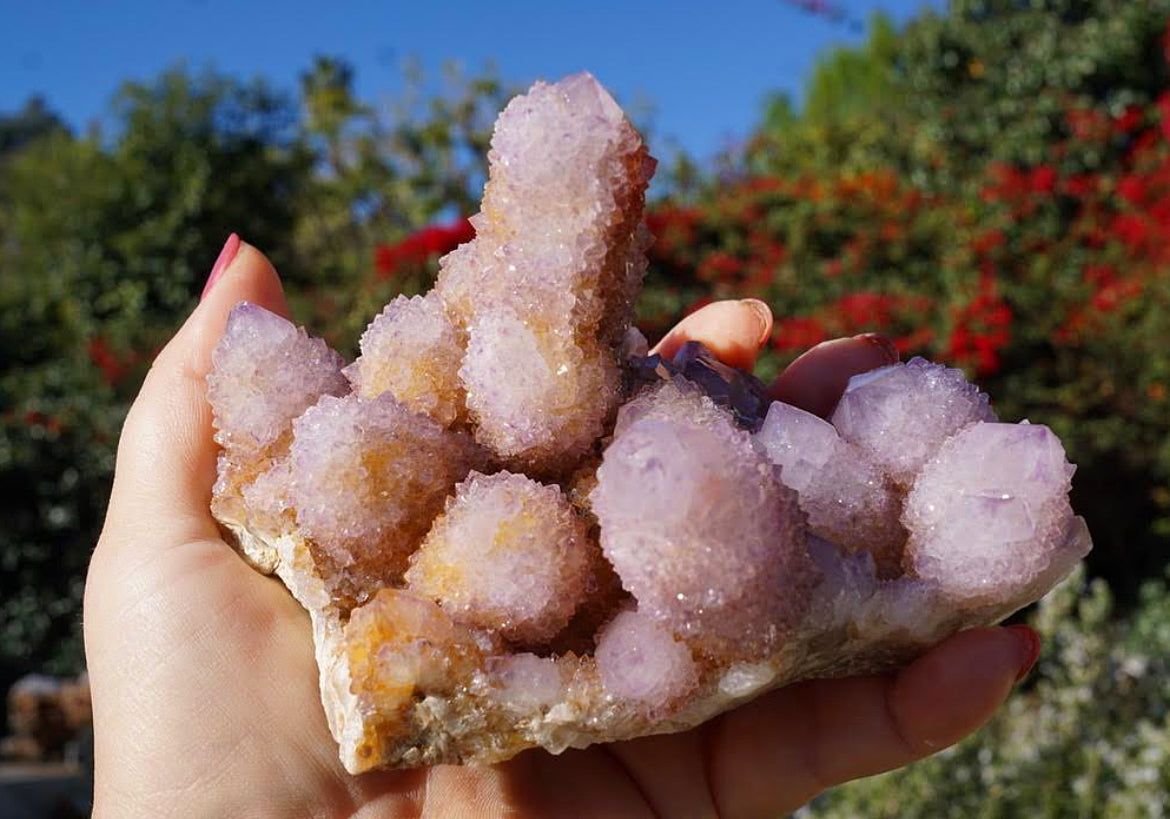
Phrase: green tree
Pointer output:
(104, 247)
(32, 122)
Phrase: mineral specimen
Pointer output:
(698, 525)
(873, 411)
(847, 498)
(508, 555)
(367, 477)
(413, 351)
(642, 662)
(545, 291)
(513, 527)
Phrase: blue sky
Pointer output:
(704, 67)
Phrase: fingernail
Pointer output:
(230, 248)
(1029, 648)
(764, 314)
(883, 343)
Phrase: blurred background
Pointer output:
(986, 181)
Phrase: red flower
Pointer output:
(1114, 294)
(1146, 141)
(719, 266)
(982, 328)
(386, 260)
(1080, 186)
(50, 423)
(1132, 230)
(1085, 123)
(1164, 110)
(798, 334)
(988, 242)
(1132, 188)
(1129, 120)
(1007, 183)
(1099, 274)
(891, 231)
(111, 366)
(918, 340)
(417, 248)
(864, 310)
(762, 184)
(1042, 179)
(673, 229)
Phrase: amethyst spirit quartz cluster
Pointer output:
(513, 528)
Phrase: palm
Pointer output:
(204, 681)
(232, 649)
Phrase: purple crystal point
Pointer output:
(741, 393)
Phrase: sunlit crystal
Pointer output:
(398, 645)
(507, 555)
(698, 525)
(846, 497)
(538, 397)
(369, 476)
(526, 682)
(265, 372)
(900, 415)
(642, 662)
(545, 291)
(413, 351)
(495, 556)
(990, 511)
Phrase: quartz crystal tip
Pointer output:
(740, 392)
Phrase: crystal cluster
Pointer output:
(512, 526)
(847, 498)
(413, 352)
(921, 428)
(698, 525)
(368, 476)
(985, 510)
(873, 413)
(641, 661)
(265, 373)
(545, 292)
(509, 555)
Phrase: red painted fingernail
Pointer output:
(883, 343)
(1029, 648)
(230, 248)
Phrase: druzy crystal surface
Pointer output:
(699, 526)
(545, 291)
(413, 351)
(509, 555)
(511, 526)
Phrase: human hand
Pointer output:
(205, 688)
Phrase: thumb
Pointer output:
(166, 455)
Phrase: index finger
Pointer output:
(814, 382)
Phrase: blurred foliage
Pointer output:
(989, 185)
(1087, 735)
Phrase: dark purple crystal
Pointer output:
(741, 393)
